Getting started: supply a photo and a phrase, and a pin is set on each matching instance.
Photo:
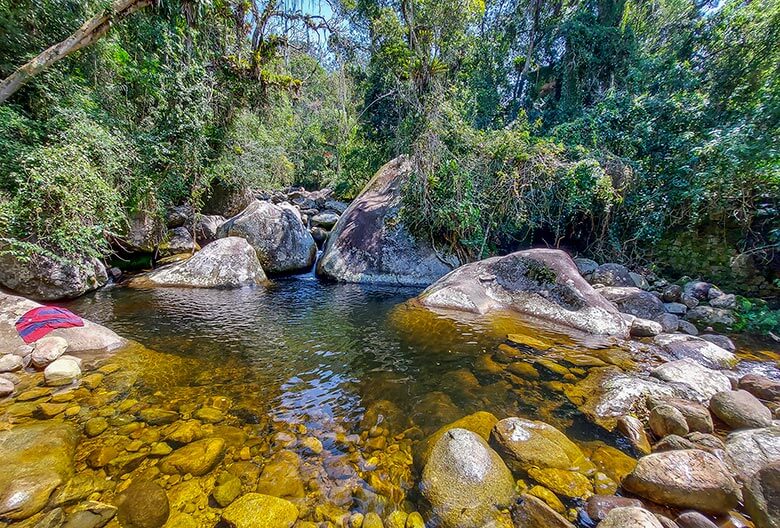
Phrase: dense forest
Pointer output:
(644, 132)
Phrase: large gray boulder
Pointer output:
(88, 338)
(749, 450)
(371, 244)
(687, 478)
(145, 230)
(702, 383)
(227, 199)
(465, 482)
(226, 263)
(282, 242)
(611, 274)
(538, 283)
(45, 278)
(37, 460)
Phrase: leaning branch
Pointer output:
(92, 30)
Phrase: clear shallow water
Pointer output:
(352, 366)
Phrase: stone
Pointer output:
(645, 328)
(720, 340)
(687, 327)
(481, 423)
(281, 476)
(371, 244)
(206, 227)
(92, 514)
(740, 410)
(539, 283)
(548, 497)
(611, 461)
(634, 301)
(585, 266)
(673, 443)
(630, 517)
(749, 450)
(61, 372)
(598, 506)
(47, 349)
(706, 441)
(465, 482)
(639, 281)
(710, 316)
(227, 489)
(634, 431)
(684, 479)
(37, 460)
(415, 520)
(669, 322)
(726, 301)
(225, 263)
(397, 519)
(531, 512)
(681, 346)
(88, 338)
(255, 510)
(155, 416)
(697, 289)
(612, 275)
(761, 387)
(608, 393)
(209, 415)
(143, 504)
(563, 482)
(312, 445)
(101, 457)
(177, 241)
(524, 444)
(702, 382)
(6, 388)
(282, 242)
(372, 520)
(762, 496)
(324, 220)
(697, 416)
(44, 278)
(11, 363)
(693, 519)
(227, 198)
(196, 458)
(675, 308)
(666, 420)
(671, 293)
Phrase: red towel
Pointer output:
(38, 322)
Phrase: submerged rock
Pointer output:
(480, 423)
(197, 458)
(465, 482)
(371, 244)
(226, 263)
(37, 460)
(524, 444)
(685, 479)
(282, 242)
(143, 504)
(531, 512)
(540, 283)
(255, 510)
(44, 278)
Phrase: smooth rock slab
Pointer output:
(740, 410)
(702, 381)
(255, 510)
(37, 460)
(685, 479)
(465, 482)
(630, 517)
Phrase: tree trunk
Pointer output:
(91, 31)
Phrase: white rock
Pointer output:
(11, 363)
(61, 372)
(702, 351)
(6, 388)
(704, 382)
(48, 349)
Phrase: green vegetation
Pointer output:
(611, 127)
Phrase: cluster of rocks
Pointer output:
(682, 307)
